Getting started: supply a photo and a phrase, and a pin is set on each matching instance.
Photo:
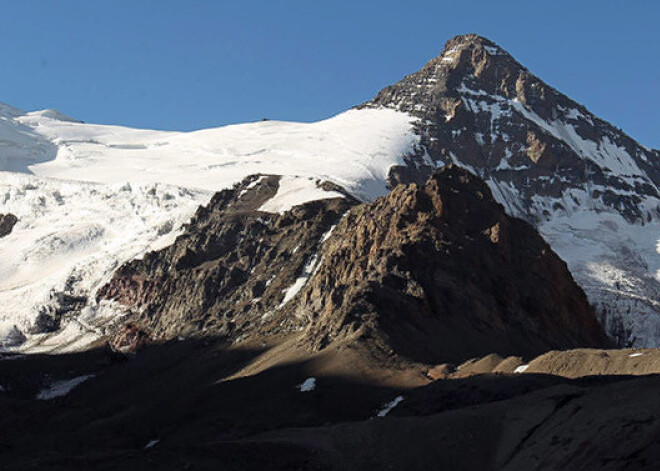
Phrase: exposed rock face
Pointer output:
(439, 272)
(484, 110)
(128, 340)
(231, 269)
(7, 223)
(433, 273)
(59, 305)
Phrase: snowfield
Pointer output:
(71, 236)
(617, 264)
(90, 197)
(354, 149)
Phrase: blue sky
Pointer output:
(192, 64)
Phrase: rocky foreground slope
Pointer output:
(200, 404)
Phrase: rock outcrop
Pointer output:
(7, 223)
(233, 267)
(439, 272)
(431, 273)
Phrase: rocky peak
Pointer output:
(438, 272)
(433, 87)
(479, 108)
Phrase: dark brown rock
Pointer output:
(439, 273)
(7, 223)
(228, 273)
(128, 339)
(434, 273)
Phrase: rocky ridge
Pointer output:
(438, 272)
(432, 273)
(482, 109)
(234, 267)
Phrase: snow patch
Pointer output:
(327, 235)
(387, 408)
(62, 388)
(493, 51)
(294, 191)
(152, 443)
(308, 270)
(308, 385)
(251, 185)
(521, 369)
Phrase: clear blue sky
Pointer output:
(192, 64)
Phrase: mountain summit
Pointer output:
(480, 107)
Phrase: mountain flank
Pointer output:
(433, 273)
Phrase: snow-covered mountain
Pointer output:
(90, 197)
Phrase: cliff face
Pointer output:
(231, 269)
(439, 272)
(433, 273)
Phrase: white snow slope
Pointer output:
(90, 197)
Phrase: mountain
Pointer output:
(89, 198)
(590, 189)
(267, 321)
(426, 281)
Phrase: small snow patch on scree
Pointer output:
(252, 185)
(151, 444)
(62, 388)
(308, 385)
(327, 235)
(521, 369)
(389, 406)
(291, 291)
(638, 354)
